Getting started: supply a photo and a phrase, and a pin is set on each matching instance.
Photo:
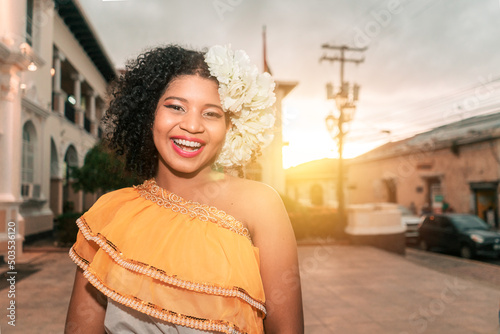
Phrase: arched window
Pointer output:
(28, 187)
(316, 194)
(70, 160)
(54, 160)
(391, 188)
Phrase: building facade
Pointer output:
(455, 167)
(313, 183)
(268, 168)
(54, 75)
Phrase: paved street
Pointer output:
(366, 290)
(486, 273)
(347, 289)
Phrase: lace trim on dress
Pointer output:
(145, 269)
(150, 308)
(151, 191)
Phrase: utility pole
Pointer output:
(346, 105)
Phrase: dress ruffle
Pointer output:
(175, 260)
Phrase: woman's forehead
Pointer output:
(193, 87)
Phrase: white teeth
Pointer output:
(184, 142)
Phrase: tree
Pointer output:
(102, 170)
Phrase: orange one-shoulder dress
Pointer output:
(174, 261)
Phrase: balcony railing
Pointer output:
(69, 111)
(87, 124)
(30, 190)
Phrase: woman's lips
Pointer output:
(187, 147)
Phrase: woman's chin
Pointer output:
(184, 169)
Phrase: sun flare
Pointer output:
(294, 154)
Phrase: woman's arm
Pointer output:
(86, 308)
(274, 236)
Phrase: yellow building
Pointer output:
(314, 183)
(268, 168)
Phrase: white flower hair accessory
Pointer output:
(248, 97)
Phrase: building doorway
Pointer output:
(316, 195)
(390, 186)
(435, 197)
(485, 201)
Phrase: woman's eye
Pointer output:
(213, 114)
(175, 107)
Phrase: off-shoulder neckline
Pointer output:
(150, 190)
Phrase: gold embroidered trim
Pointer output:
(151, 191)
(76, 258)
(152, 309)
(145, 269)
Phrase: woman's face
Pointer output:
(190, 126)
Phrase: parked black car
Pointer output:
(466, 234)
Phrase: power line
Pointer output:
(487, 110)
(435, 102)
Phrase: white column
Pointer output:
(10, 134)
(77, 92)
(12, 63)
(59, 95)
(10, 162)
(92, 113)
(58, 58)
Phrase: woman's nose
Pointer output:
(192, 122)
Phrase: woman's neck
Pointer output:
(195, 186)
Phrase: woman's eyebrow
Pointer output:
(186, 101)
(175, 98)
(214, 106)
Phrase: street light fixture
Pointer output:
(348, 111)
(340, 100)
(331, 125)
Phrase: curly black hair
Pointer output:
(134, 97)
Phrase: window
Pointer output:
(29, 22)
(28, 188)
(390, 185)
(28, 158)
(316, 195)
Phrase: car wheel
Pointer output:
(466, 252)
(422, 244)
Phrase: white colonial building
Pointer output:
(54, 74)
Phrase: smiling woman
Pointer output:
(189, 123)
(191, 250)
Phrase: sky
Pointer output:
(427, 62)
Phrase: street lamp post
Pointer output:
(345, 101)
(336, 126)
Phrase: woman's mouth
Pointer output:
(187, 145)
(187, 148)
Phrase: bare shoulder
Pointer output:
(253, 195)
(258, 205)
(257, 190)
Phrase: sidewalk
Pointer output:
(346, 289)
